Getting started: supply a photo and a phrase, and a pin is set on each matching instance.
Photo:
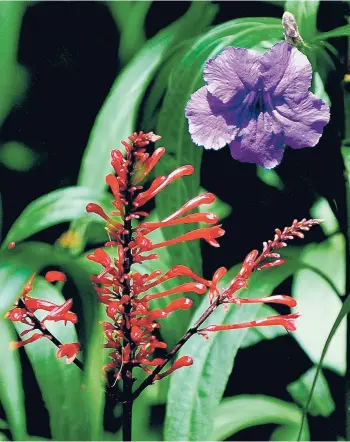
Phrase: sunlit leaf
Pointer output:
(11, 387)
(240, 412)
(196, 391)
(56, 207)
(321, 209)
(319, 302)
(343, 31)
(322, 403)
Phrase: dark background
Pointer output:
(70, 50)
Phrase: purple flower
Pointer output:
(257, 104)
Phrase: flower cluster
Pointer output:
(130, 333)
(254, 261)
(25, 310)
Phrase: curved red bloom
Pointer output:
(69, 350)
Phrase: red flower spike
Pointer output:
(54, 276)
(184, 361)
(69, 350)
(130, 335)
(286, 321)
(11, 245)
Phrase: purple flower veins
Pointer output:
(257, 104)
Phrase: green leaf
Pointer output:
(130, 18)
(258, 334)
(322, 403)
(180, 149)
(56, 207)
(322, 209)
(3, 425)
(305, 13)
(116, 120)
(318, 300)
(11, 388)
(16, 267)
(62, 389)
(344, 311)
(269, 177)
(237, 413)
(13, 77)
(195, 391)
(342, 31)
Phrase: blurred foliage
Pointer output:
(157, 75)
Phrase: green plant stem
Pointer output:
(128, 261)
(346, 89)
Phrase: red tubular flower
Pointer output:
(69, 350)
(286, 321)
(54, 276)
(26, 307)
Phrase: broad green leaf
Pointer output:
(319, 302)
(269, 177)
(56, 207)
(343, 31)
(322, 209)
(16, 267)
(237, 413)
(180, 149)
(116, 120)
(196, 391)
(344, 311)
(131, 25)
(319, 88)
(322, 403)
(258, 334)
(3, 425)
(11, 387)
(305, 13)
(12, 75)
(62, 389)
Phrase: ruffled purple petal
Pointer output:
(302, 123)
(286, 72)
(259, 142)
(234, 71)
(211, 123)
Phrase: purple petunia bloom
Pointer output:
(257, 104)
